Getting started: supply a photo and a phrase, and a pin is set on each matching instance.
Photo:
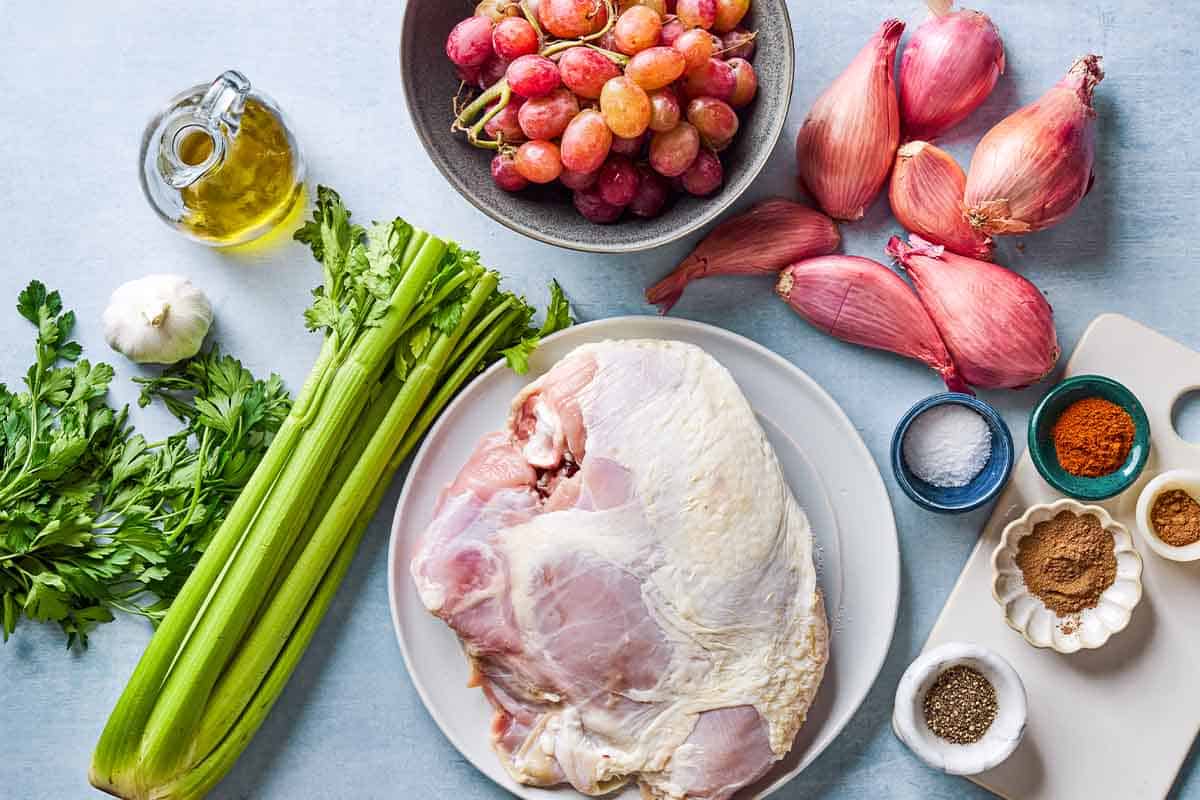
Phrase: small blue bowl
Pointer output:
(983, 487)
(1041, 438)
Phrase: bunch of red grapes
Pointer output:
(624, 103)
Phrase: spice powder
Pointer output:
(961, 705)
(1175, 516)
(1093, 437)
(1068, 561)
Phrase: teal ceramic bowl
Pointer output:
(1041, 440)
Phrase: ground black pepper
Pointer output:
(961, 705)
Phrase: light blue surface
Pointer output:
(78, 81)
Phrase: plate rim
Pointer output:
(875, 477)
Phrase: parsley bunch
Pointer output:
(92, 516)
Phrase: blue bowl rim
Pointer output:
(688, 226)
(1002, 442)
(1137, 459)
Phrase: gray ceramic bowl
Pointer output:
(546, 212)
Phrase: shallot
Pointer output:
(846, 145)
(996, 324)
(768, 237)
(926, 197)
(949, 67)
(862, 301)
(1032, 169)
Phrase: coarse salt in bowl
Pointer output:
(985, 480)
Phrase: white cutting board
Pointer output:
(1116, 722)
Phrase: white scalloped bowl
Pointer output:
(1028, 615)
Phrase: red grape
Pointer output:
(607, 41)
(539, 161)
(745, 82)
(713, 79)
(470, 42)
(514, 37)
(505, 173)
(491, 72)
(658, 5)
(664, 110)
(576, 181)
(737, 43)
(696, 46)
(625, 106)
(586, 142)
(546, 117)
(506, 124)
(468, 75)
(671, 31)
(593, 207)
(570, 19)
(653, 191)
(585, 71)
(673, 151)
(697, 13)
(637, 29)
(655, 67)
(629, 147)
(705, 175)
(533, 76)
(729, 14)
(617, 181)
(714, 119)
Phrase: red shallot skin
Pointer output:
(1032, 170)
(998, 326)
(846, 146)
(863, 302)
(768, 237)
(949, 67)
(926, 193)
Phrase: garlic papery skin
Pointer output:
(997, 325)
(158, 319)
(846, 146)
(1031, 170)
(926, 193)
(861, 301)
(949, 67)
(763, 240)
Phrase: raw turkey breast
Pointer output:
(631, 578)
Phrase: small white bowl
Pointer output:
(1028, 615)
(1185, 479)
(1001, 739)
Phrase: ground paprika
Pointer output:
(1092, 437)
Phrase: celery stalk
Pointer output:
(254, 657)
(183, 696)
(228, 644)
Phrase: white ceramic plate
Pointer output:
(826, 463)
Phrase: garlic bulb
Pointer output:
(158, 319)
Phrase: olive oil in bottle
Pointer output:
(220, 164)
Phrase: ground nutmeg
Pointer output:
(1175, 516)
(1068, 561)
(1093, 437)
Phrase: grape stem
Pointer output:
(743, 40)
(566, 44)
(618, 58)
(472, 119)
(532, 19)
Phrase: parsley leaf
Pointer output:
(93, 519)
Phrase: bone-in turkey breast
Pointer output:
(632, 578)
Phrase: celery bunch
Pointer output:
(408, 318)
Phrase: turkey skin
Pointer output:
(631, 578)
